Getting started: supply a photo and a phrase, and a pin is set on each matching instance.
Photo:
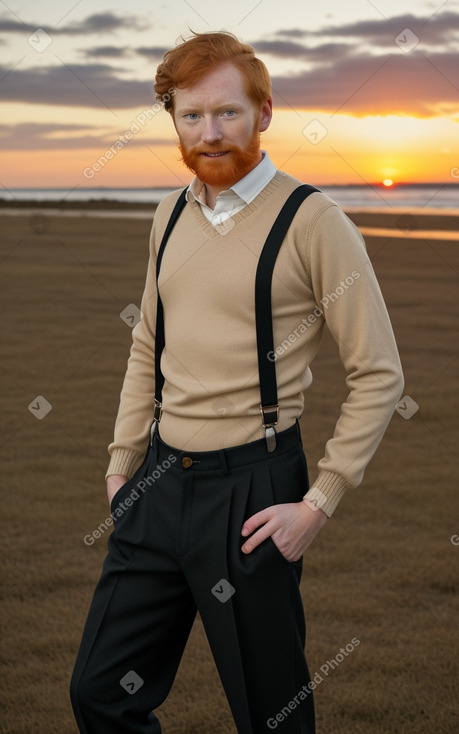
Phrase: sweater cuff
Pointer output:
(327, 491)
(124, 462)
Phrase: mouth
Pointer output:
(215, 155)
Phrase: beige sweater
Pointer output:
(211, 393)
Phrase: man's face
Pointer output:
(219, 127)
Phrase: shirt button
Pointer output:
(187, 462)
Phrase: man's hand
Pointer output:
(114, 483)
(292, 526)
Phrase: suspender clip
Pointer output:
(270, 417)
(270, 414)
(158, 411)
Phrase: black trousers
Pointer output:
(176, 549)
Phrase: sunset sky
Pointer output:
(363, 90)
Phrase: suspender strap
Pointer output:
(263, 312)
(159, 338)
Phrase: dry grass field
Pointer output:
(383, 570)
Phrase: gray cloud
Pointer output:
(152, 52)
(42, 136)
(114, 52)
(435, 30)
(293, 33)
(107, 22)
(351, 76)
(289, 49)
(77, 85)
(398, 83)
(431, 31)
(360, 69)
(155, 53)
(97, 23)
(367, 84)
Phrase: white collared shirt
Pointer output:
(238, 196)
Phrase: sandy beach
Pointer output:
(383, 570)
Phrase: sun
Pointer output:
(388, 182)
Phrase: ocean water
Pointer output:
(409, 196)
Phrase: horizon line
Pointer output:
(379, 184)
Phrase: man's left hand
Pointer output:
(292, 526)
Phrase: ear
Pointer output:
(266, 114)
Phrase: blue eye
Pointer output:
(192, 116)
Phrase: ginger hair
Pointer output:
(185, 64)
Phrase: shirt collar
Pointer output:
(246, 189)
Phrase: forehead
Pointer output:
(225, 83)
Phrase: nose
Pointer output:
(211, 132)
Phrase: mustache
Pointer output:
(197, 150)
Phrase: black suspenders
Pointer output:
(263, 312)
(159, 338)
(269, 405)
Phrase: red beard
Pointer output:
(228, 169)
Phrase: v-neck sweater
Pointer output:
(211, 396)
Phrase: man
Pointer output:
(216, 514)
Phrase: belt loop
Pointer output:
(223, 461)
